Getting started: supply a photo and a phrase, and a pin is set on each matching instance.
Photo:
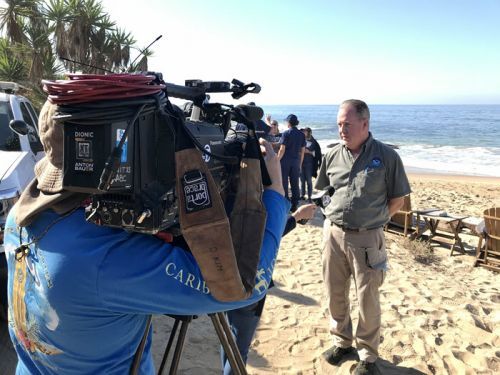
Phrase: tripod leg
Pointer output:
(178, 348)
(232, 343)
(169, 346)
(227, 341)
(140, 350)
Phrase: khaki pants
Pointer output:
(362, 255)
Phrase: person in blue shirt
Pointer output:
(80, 294)
(291, 155)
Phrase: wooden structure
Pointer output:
(402, 219)
(489, 255)
(452, 223)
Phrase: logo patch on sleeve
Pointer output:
(196, 193)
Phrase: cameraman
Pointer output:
(80, 294)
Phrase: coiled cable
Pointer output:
(84, 88)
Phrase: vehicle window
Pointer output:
(35, 144)
(9, 141)
(27, 116)
(33, 114)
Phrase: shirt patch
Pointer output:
(375, 163)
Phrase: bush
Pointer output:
(421, 251)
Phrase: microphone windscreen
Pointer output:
(251, 112)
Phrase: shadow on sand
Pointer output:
(386, 367)
(292, 297)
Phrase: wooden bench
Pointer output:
(453, 224)
(488, 256)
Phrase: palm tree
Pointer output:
(87, 18)
(12, 19)
(57, 12)
(36, 33)
(37, 50)
(11, 68)
(120, 42)
(142, 65)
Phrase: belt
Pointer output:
(347, 229)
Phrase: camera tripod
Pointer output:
(223, 332)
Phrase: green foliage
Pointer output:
(36, 34)
(12, 69)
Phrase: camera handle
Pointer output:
(195, 113)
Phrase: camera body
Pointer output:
(139, 157)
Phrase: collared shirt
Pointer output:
(294, 140)
(363, 185)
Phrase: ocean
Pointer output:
(452, 139)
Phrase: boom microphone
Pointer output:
(144, 50)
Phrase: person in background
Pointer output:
(370, 184)
(275, 130)
(318, 155)
(274, 135)
(269, 119)
(310, 165)
(291, 154)
(244, 321)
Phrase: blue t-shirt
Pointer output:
(84, 292)
(294, 140)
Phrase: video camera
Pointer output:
(122, 152)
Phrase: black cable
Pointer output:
(114, 159)
(110, 111)
(23, 249)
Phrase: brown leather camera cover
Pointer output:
(248, 221)
(205, 227)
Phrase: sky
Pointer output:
(324, 51)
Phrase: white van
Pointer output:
(19, 151)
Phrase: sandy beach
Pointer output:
(440, 315)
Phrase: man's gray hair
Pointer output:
(360, 106)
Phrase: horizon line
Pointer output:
(439, 104)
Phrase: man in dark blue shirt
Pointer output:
(291, 154)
